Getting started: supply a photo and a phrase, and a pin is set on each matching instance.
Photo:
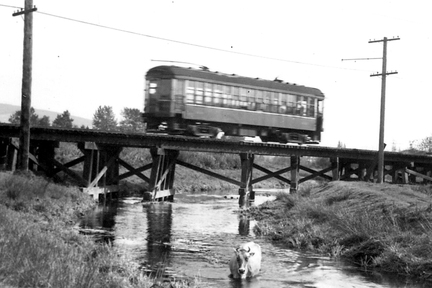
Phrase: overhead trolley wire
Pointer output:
(192, 44)
(10, 6)
(187, 43)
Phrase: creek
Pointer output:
(194, 236)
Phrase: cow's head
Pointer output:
(243, 256)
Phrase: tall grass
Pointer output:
(388, 237)
(39, 246)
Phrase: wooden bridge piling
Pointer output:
(8, 154)
(295, 173)
(246, 193)
(161, 186)
(4, 143)
(335, 168)
(100, 169)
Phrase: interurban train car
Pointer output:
(203, 103)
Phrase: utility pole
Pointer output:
(26, 84)
(382, 114)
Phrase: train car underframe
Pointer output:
(179, 126)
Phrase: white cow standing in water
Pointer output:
(246, 261)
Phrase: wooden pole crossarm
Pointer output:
(24, 11)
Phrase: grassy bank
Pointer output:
(384, 227)
(39, 246)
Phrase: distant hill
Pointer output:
(6, 110)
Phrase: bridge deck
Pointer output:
(205, 145)
(101, 158)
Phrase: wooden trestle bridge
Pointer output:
(101, 158)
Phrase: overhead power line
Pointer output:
(355, 59)
(188, 43)
(10, 6)
(193, 44)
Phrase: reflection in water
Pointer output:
(159, 219)
(244, 225)
(194, 236)
(100, 223)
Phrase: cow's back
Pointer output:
(254, 261)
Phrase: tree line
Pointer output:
(103, 119)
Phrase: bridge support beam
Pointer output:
(161, 186)
(8, 154)
(246, 193)
(101, 169)
(42, 156)
(4, 148)
(295, 173)
(335, 168)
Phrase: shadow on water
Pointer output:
(194, 237)
(159, 222)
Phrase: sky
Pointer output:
(95, 53)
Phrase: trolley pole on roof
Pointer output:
(382, 113)
(26, 84)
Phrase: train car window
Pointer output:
(243, 98)
(217, 94)
(283, 103)
(267, 97)
(311, 107)
(259, 96)
(152, 87)
(235, 97)
(251, 106)
(243, 94)
(190, 92)
(300, 106)
(226, 96)
(251, 99)
(274, 102)
(305, 104)
(291, 104)
(320, 107)
(267, 101)
(276, 99)
(230, 100)
(208, 93)
(259, 99)
(199, 92)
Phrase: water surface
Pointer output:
(195, 236)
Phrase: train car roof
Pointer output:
(166, 71)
